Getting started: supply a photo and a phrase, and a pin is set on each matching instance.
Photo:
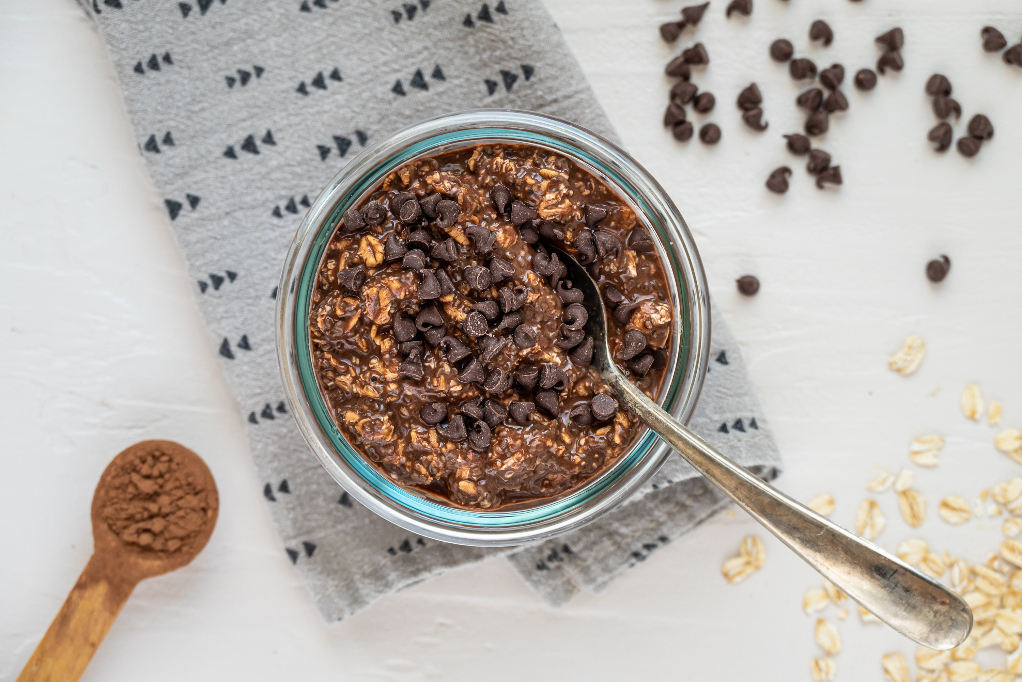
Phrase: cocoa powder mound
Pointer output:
(157, 502)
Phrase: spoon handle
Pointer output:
(80, 626)
(914, 605)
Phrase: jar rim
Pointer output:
(680, 386)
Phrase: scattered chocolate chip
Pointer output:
(520, 411)
(525, 336)
(754, 119)
(352, 279)
(475, 324)
(641, 364)
(419, 239)
(551, 231)
(520, 213)
(612, 296)
(694, 13)
(802, 69)
(548, 401)
(969, 146)
(447, 250)
(489, 309)
(454, 430)
(398, 200)
(831, 176)
(490, 347)
(943, 107)
(623, 313)
(494, 413)
(640, 242)
(433, 413)
(553, 377)
(634, 343)
(411, 367)
(429, 287)
(832, 76)
(748, 285)
(1013, 55)
(659, 359)
(938, 84)
(473, 409)
(671, 30)
(354, 221)
(473, 373)
(607, 242)
(818, 162)
(604, 407)
(411, 212)
(510, 321)
(446, 285)
(941, 135)
(820, 30)
(993, 40)
(678, 68)
(404, 328)
(477, 277)
(710, 133)
(705, 102)
(865, 79)
(781, 50)
(448, 212)
(675, 114)
(696, 55)
(836, 101)
(980, 127)
(778, 180)
(750, 98)
(569, 337)
(527, 378)
(743, 7)
(936, 269)
(810, 100)
(890, 60)
(501, 198)
(798, 144)
(892, 40)
(393, 249)
(482, 238)
(454, 350)
(582, 354)
(684, 92)
(414, 260)
(575, 316)
(567, 294)
(410, 347)
(818, 122)
(683, 131)
(497, 382)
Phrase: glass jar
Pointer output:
(418, 511)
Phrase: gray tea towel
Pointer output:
(243, 111)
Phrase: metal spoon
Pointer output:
(911, 603)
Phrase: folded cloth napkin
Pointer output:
(243, 110)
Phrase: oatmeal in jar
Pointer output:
(448, 343)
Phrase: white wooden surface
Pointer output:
(101, 346)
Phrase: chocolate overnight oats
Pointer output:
(450, 347)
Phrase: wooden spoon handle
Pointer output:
(77, 631)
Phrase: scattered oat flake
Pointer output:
(869, 520)
(912, 506)
(1015, 663)
(1011, 551)
(971, 402)
(1012, 527)
(751, 555)
(882, 483)
(822, 504)
(823, 669)
(834, 593)
(1007, 492)
(913, 550)
(841, 614)
(867, 616)
(933, 566)
(907, 360)
(963, 671)
(931, 659)
(904, 481)
(924, 450)
(1009, 441)
(752, 548)
(827, 637)
(993, 675)
(954, 510)
(994, 410)
(895, 668)
(815, 601)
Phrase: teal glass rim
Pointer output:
(415, 510)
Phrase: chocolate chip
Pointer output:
(411, 212)
(748, 285)
(398, 200)
(520, 411)
(753, 119)
(938, 84)
(404, 328)
(447, 250)
(694, 13)
(411, 367)
(448, 212)
(836, 101)
(892, 40)
(454, 350)
(512, 299)
(705, 101)
(865, 79)
(479, 436)
(696, 55)
(501, 198)
(581, 415)
(528, 234)
(446, 285)
(489, 309)
(993, 40)
(497, 382)
(410, 347)
(831, 176)
(1013, 55)
(980, 127)
(682, 132)
(433, 413)
(500, 270)
(510, 321)
(434, 335)
(641, 364)
(475, 324)
(604, 407)
(473, 409)
(778, 180)
(710, 133)
(575, 316)
(612, 296)
(428, 204)
(525, 336)
(414, 260)
(354, 221)
(375, 213)
(940, 135)
(553, 377)
(482, 238)
(393, 249)
(472, 373)
(678, 68)
(521, 213)
(802, 69)
(640, 242)
(811, 99)
(818, 122)
(659, 358)
(819, 30)
(818, 162)
(969, 146)
(623, 313)
(527, 378)
(798, 144)
(749, 98)
(429, 287)
(943, 107)
(634, 343)
(684, 92)
(781, 50)
(594, 214)
(671, 30)
(494, 413)
(490, 347)
(890, 60)
(607, 242)
(567, 294)
(419, 239)
(548, 401)
(832, 76)
(551, 231)
(428, 317)
(582, 354)
(352, 279)
(569, 337)
(477, 277)
(454, 430)
(936, 269)
(743, 7)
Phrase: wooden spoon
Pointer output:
(113, 571)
